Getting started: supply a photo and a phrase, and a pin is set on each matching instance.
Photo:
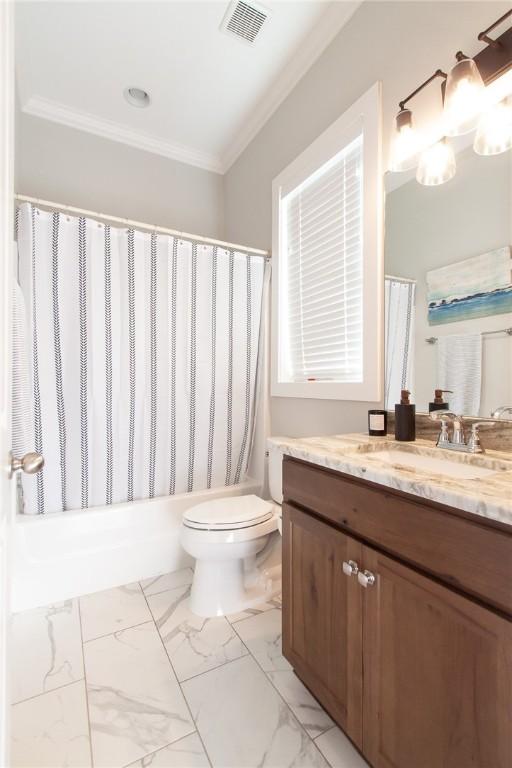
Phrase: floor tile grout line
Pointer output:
(85, 681)
(166, 589)
(179, 684)
(284, 700)
(118, 631)
(163, 591)
(253, 615)
(331, 728)
(153, 620)
(218, 666)
(45, 693)
(170, 744)
(336, 727)
(250, 655)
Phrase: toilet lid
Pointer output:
(228, 513)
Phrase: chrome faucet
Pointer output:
(457, 441)
(498, 413)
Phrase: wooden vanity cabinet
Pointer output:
(437, 674)
(322, 619)
(417, 674)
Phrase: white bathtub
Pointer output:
(58, 556)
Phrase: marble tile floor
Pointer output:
(130, 677)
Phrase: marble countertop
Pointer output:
(489, 496)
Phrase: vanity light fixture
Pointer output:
(494, 133)
(407, 143)
(469, 104)
(464, 97)
(437, 164)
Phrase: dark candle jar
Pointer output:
(377, 423)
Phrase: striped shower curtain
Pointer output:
(142, 357)
(399, 302)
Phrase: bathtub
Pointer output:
(63, 555)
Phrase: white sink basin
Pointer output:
(442, 465)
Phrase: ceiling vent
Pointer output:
(244, 20)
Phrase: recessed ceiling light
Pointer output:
(137, 97)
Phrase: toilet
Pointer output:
(236, 542)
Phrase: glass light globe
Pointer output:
(494, 134)
(464, 98)
(405, 146)
(437, 164)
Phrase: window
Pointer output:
(327, 282)
(322, 249)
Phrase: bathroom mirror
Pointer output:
(448, 287)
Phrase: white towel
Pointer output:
(22, 434)
(459, 368)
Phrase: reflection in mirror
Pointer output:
(448, 289)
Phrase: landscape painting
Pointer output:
(476, 287)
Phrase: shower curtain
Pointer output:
(142, 361)
(399, 342)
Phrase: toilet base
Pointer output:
(231, 586)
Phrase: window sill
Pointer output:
(328, 390)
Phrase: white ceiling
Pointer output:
(211, 93)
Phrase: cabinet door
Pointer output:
(437, 674)
(322, 615)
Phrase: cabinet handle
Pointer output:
(366, 578)
(351, 568)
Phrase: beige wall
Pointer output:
(64, 165)
(399, 43)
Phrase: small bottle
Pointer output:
(405, 418)
(377, 423)
(438, 404)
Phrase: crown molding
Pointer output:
(308, 52)
(108, 129)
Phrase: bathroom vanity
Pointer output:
(397, 597)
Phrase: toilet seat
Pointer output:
(228, 514)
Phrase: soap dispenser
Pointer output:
(405, 418)
(438, 403)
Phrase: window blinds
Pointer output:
(323, 275)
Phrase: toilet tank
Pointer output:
(275, 472)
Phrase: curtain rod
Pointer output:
(140, 225)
